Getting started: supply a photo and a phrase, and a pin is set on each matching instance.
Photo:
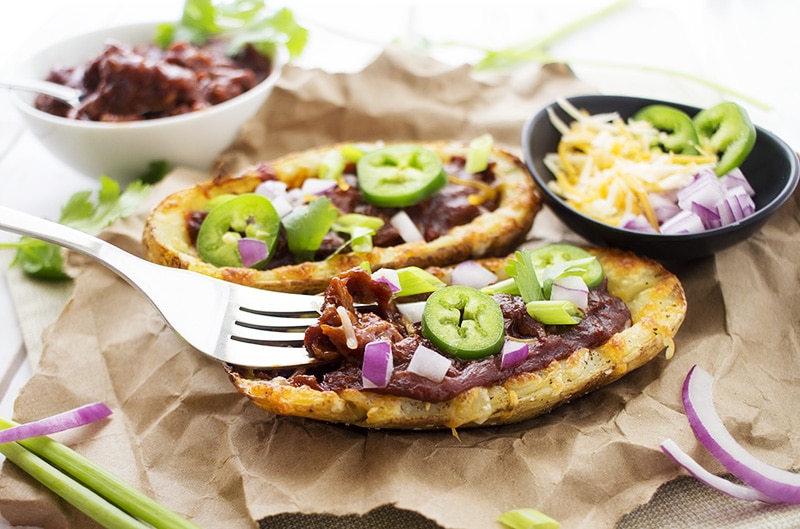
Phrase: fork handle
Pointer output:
(38, 228)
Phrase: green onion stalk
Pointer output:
(93, 490)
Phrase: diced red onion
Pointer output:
(571, 288)
(253, 251)
(427, 363)
(56, 423)
(684, 222)
(698, 401)
(412, 311)
(282, 205)
(736, 178)
(377, 366)
(316, 186)
(296, 197)
(472, 274)
(742, 492)
(705, 190)
(708, 216)
(513, 354)
(637, 223)
(405, 227)
(388, 276)
(663, 207)
(271, 189)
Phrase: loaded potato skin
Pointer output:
(502, 224)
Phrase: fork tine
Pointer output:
(264, 356)
(269, 302)
(265, 336)
(247, 318)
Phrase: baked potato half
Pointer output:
(653, 297)
(502, 199)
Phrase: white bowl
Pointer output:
(123, 151)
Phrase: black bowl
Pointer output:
(771, 168)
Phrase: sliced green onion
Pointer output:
(77, 475)
(554, 312)
(360, 227)
(83, 499)
(522, 270)
(332, 165)
(414, 280)
(478, 153)
(527, 519)
(352, 153)
(505, 286)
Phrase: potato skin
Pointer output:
(166, 240)
(657, 303)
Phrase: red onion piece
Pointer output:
(472, 274)
(56, 423)
(663, 207)
(704, 190)
(736, 178)
(406, 227)
(742, 492)
(637, 223)
(316, 186)
(412, 311)
(377, 366)
(698, 400)
(513, 354)
(427, 363)
(387, 276)
(271, 189)
(252, 251)
(684, 222)
(282, 205)
(571, 288)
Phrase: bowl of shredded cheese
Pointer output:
(605, 173)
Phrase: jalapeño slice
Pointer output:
(400, 175)
(463, 322)
(247, 215)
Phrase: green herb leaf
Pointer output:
(239, 22)
(306, 227)
(46, 261)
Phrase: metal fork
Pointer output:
(232, 323)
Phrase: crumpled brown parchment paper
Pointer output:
(181, 433)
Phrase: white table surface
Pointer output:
(751, 46)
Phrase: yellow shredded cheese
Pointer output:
(606, 167)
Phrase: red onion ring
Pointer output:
(56, 423)
(772, 482)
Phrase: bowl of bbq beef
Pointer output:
(141, 103)
(768, 175)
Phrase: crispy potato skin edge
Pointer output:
(166, 240)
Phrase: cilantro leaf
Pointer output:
(46, 261)
(307, 226)
(240, 22)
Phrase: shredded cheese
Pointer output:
(606, 167)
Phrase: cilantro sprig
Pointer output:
(239, 22)
(45, 260)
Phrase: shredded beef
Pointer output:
(606, 316)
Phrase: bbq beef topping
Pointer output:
(342, 342)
